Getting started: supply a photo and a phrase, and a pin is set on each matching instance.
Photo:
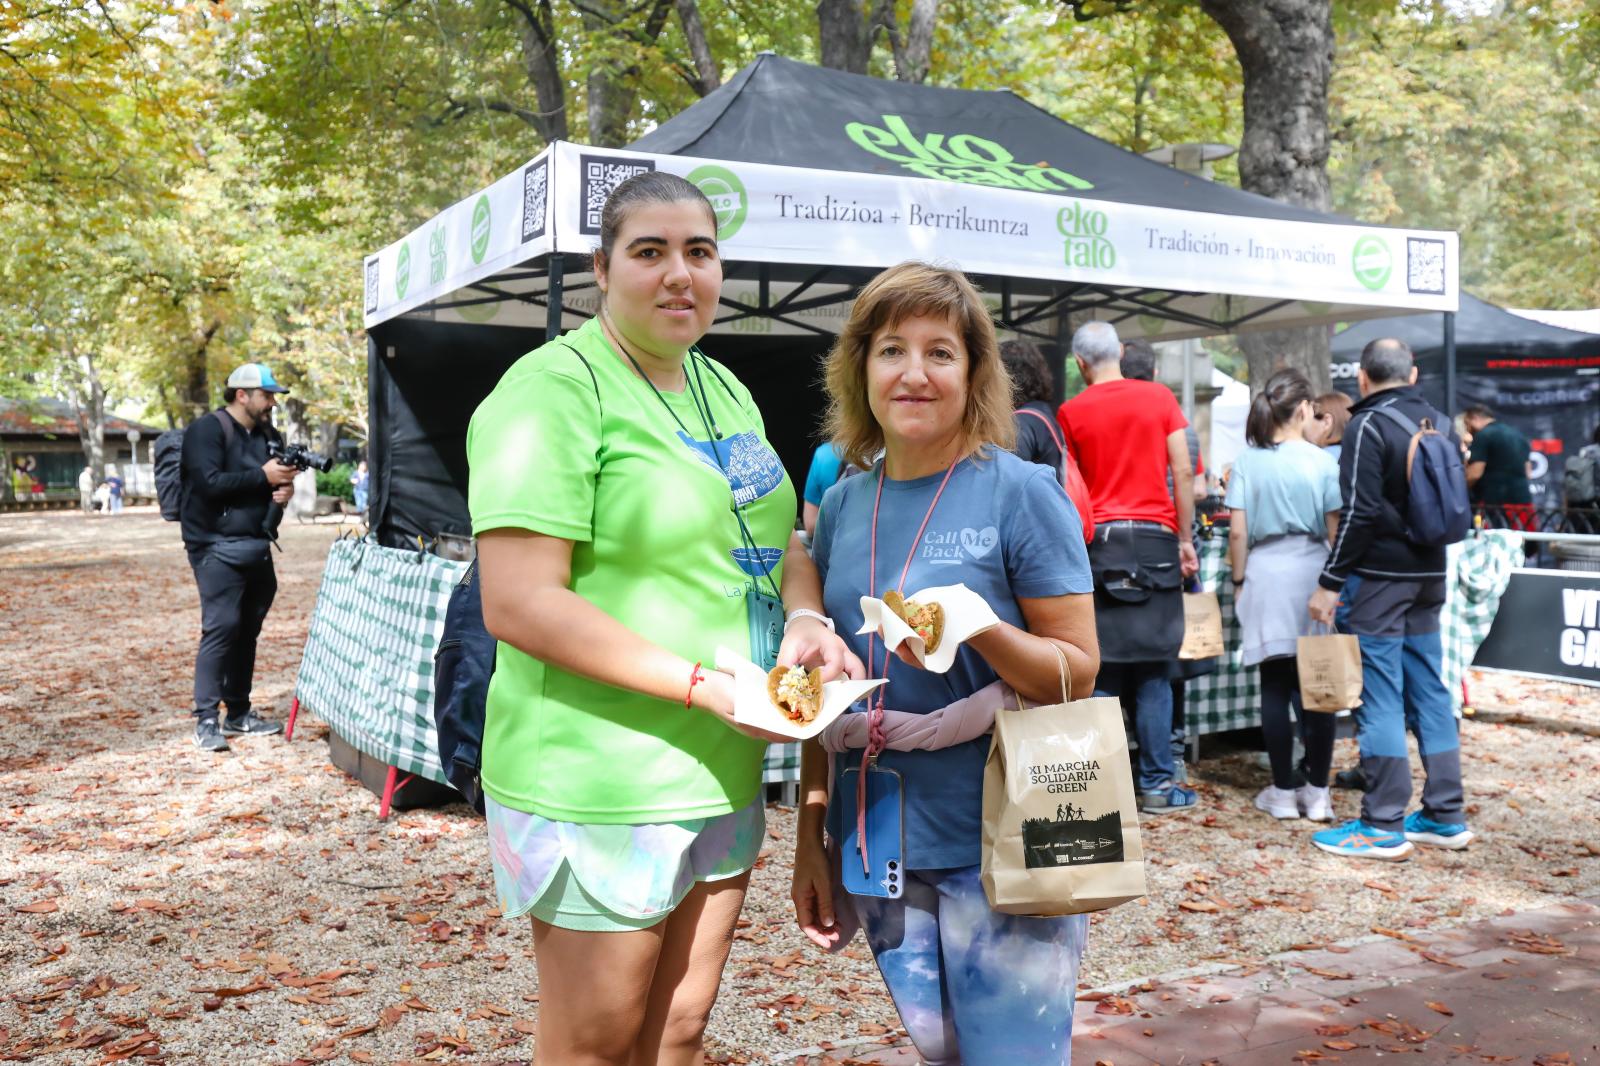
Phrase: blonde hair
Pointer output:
(914, 290)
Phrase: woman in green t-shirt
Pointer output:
(623, 802)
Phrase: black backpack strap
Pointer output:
(227, 426)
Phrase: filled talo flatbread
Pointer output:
(795, 692)
(925, 619)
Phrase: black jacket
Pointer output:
(1037, 441)
(1372, 482)
(225, 491)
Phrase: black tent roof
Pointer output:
(1487, 338)
(788, 113)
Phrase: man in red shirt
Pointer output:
(1127, 437)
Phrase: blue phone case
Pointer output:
(885, 834)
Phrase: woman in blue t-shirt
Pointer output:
(1283, 496)
(916, 372)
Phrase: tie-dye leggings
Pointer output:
(975, 987)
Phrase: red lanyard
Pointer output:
(875, 738)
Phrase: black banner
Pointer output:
(1548, 624)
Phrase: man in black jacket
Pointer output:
(1394, 613)
(228, 481)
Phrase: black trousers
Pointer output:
(236, 591)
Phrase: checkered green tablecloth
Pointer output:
(1480, 570)
(368, 664)
(1231, 697)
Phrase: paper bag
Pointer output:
(1330, 672)
(1060, 821)
(1202, 626)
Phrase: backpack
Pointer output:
(462, 667)
(167, 457)
(1438, 511)
(1070, 476)
(1581, 479)
(461, 670)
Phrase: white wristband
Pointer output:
(804, 612)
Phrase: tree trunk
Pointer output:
(542, 62)
(89, 403)
(708, 75)
(845, 32)
(1285, 51)
(196, 399)
(913, 50)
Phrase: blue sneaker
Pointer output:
(1168, 799)
(1358, 840)
(1420, 829)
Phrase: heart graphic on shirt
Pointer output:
(979, 542)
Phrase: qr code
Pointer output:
(600, 175)
(1425, 265)
(372, 285)
(535, 181)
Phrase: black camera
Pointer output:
(301, 458)
(298, 456)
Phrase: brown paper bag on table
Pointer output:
(1060, 820)
(1202, 626)
(1330, 671)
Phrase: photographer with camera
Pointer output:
(229, 484)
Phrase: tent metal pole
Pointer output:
(552, 306)
(1450, 363)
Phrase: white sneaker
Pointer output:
(1278, 802)
(1315, 803)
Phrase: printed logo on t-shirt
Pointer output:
(950, 547)
(752, 469)
(757, 562)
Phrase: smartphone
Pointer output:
(886, 842)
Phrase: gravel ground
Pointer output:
(161, 904)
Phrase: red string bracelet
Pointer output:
(695, 677)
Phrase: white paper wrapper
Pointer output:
(752, 705)
(966, 614)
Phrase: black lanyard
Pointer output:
(697, 389)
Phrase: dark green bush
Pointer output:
(336, 482)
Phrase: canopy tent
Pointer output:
(819, 179)
(1543, 379)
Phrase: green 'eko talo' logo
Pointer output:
(726, 193)
(480, 228)
(1087, 245)
(963, 157)
(438, 255)
(1372, 261)
(402, 271)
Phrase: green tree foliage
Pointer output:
(185, 186)
(1484, 123)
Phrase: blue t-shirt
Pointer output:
(1004, 528)
(1287, 489)
(826, 465)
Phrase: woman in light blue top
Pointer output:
(1283, 498)
(917, 373)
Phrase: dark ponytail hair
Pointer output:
(651, 187)
(1275, 405)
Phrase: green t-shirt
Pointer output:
(657, 547)
(1503, 451)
